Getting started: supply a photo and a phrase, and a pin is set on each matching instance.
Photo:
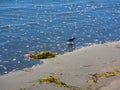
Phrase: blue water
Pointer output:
(30, 26)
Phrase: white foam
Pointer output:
(14, 59)
(4, 68)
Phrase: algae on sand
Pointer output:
(42, 55)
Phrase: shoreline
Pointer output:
(73, 68)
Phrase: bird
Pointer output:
(71, 39)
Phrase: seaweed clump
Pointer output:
(56, 81)
(51, 79)
(42, 55)
(95, 77)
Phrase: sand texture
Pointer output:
(79, 70)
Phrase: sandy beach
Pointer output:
(76, 69)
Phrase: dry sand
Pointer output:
(72, 68)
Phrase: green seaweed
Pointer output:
(56, 80)
(92, 82)
(51, 79)
(42, 55)
(95, 77)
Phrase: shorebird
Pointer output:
(71, 39)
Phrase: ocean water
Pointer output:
(31, 26)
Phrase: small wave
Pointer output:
(64, 13)
(3, 43)
(104, 7)
(19, 25)
(10, 26)
(58, 4)
(6, 61)
(2, 27)
(1, 65)
(33, 23)
(68, 13)
(12, 8)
